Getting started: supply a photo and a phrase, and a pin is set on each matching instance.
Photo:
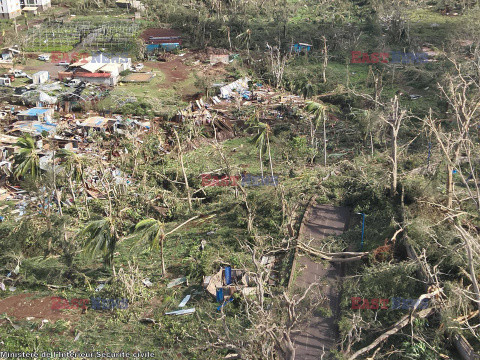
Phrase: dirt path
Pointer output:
(320, 334)
(24, 306)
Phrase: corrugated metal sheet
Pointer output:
(111, 68)
(33, 112)
(92, 67)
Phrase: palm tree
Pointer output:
(27, 159)
(152, 231)
(226, 29)
(73, 166)
(320, 112)
(101, 236)
(246, 36)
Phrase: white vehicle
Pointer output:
(5, 81)
(74, 83)
(137, 67)
(19, 73)
(63, 63)
(44, 57)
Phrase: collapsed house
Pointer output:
(7, 146)
(228, 281)
(34, 128)
(239, 86)
(98, 123)
(99, 70)
(36, 114)
(9, 53)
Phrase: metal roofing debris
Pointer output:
(147, 282)
(238, 85)
(33, 127)
(92, 66)
(81, 62)
(97, 122)
(111, 68)
(176, 282)
(33, 111)
(184, 301)
(8, 139)
(39, 96)
(181, 312)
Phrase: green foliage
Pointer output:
(100, 237)
(27, 159)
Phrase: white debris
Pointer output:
(184, 301)
(181, 312)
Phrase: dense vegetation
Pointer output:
(364, 140)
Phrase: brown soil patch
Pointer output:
(138, 77)
(24, 305)
(174, 70)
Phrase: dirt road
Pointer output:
(319, 334)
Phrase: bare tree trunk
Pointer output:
(471, 268)
(180, 155)
(271, 163)
(325, 58)
(162, 256)
(393, 189)
(261, 162)
(324, 141)
(449, 185)
(371, 142)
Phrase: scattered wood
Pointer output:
(335, 257)
(393, 330)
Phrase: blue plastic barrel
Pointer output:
(228, 275)
(220, 295)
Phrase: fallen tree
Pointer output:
(401, 323)
(335, 257)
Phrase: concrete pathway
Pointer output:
(319, 334)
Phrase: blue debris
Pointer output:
(224, 303)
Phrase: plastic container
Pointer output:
(228, 275)
(220, 295)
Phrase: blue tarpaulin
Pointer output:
(164, 46)
(33, 112)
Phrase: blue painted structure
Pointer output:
(164, 46)
(299, 47)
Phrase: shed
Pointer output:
(166, 39)
(40, 77)
(299, 47)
